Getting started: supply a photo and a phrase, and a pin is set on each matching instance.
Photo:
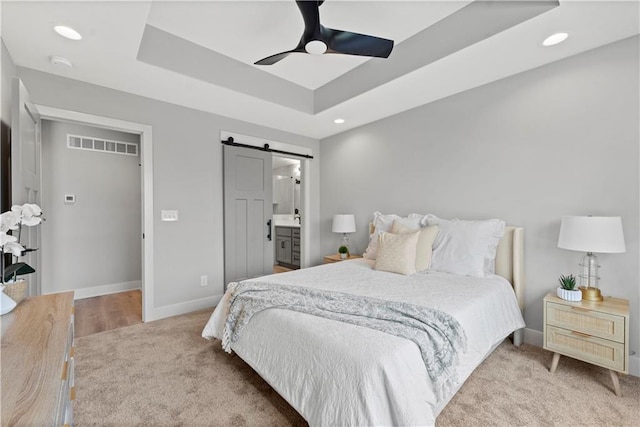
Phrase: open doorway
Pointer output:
(146, 171)
(92, 244)
(287, 213)
(276, 150)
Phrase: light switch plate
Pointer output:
(166, 215)
(69, 198)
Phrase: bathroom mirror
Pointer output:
(286, 185)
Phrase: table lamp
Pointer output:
(602, 234)
(344, 223)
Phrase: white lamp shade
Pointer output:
(601, 234)
(344, 223)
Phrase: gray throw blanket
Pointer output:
(438, 335)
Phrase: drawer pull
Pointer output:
(580, 334)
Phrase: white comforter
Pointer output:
(335, 373)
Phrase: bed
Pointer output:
(336, 373)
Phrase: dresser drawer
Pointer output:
(586, 321)
(295, 259)
(283, 231)
(591, 349)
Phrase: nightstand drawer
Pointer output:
(590, 349)
(586, 321)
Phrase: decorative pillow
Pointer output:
(397, 252)
(466, 247)
(424, 249)
(383, 222)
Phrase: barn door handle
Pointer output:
(269, 232)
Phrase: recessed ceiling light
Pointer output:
(59, 60)
(338, 121)
(67, 32)
(554, 39)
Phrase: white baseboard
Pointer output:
(113, 288)
(182, 308)
(533, 337)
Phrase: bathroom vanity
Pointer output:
(288, 246)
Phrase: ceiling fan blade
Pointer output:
(349, 43)
(311, 16)
(317, 39)
(270, 60)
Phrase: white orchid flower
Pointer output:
(30, 221)
(8, 243)
(9, 221)
(27, 214)
(13, 248)
(30, 210)
(6, 238)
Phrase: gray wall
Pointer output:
(97, 240)
(8, 71)
(187, 167)
(558, 140)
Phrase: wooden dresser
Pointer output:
(37, 362)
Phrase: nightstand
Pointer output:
(594, 332)
(336, 258)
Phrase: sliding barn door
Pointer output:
(25, 171)
(248, 207)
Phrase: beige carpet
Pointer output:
(164, 373)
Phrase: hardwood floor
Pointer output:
(99, 314)
(280, 269)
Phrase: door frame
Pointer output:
(21, 98)
(146, 160)
(305, 177)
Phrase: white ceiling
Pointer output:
(249, 30)
(253, 30)
(279, 162)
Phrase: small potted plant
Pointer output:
(343, 251)
(12, 287)
(567, 290)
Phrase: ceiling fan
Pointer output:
(318, 39)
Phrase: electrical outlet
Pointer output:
(203, 280)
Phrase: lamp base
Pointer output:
(591, 294)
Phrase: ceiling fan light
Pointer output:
(555, 39)
(67, 32)
(315, 47)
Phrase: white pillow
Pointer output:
(466, 247)
(397, 252)
(382, 222)
(424, 249)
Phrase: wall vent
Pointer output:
(105, 145)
